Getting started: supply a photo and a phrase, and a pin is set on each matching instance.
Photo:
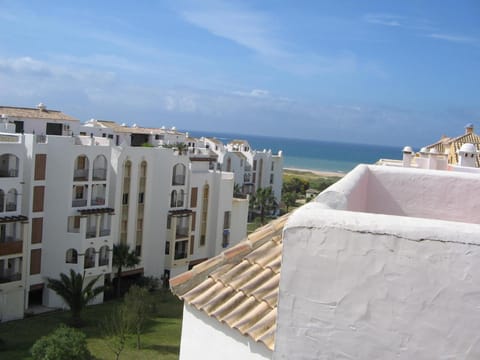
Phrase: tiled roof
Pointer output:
(455, 145)
(35, 113)
(136, 130)
(239, 287)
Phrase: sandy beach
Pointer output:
(316, 172)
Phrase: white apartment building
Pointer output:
(69, 192)
(253, 169)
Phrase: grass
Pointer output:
(160, 340)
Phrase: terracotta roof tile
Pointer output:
(239, 287)
(35, 113)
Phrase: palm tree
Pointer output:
(72, 290)
(264, 200)
(123, 258)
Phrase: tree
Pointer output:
(72, 290)
(289, 199)
(123, 258)
(116, 328)
(140, 306)
(64, 343)
(264, 201)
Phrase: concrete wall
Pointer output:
(205, 338)
(366, 286)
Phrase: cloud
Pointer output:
(453, 38)
(256, 31)
(384, 19)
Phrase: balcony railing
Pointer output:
(180, 255)
(79, 202)
(98, 201)
(80, 175)
(99, 174)
(178, 180)
(91, 233)
(11, 206)
(105, 232)
(41, 139)
(182, 232)
(89, 262)
(8, 172)
(11, 247)
(7, 277)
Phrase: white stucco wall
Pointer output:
(368, 286)
(205, 338)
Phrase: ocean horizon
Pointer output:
(315, 155)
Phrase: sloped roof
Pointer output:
(239, 287)
(34, 113)
(455, 145)
(136, 130)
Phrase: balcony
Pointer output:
(105, 232)
(99, 174)
(80, 175)
(182, 232)
(178, 180)
(11, 206)
(79, 202)
(91, 233)
(7, 277)
(98, 201)
(11, 246)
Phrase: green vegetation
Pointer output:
(123, 258)
(160, 336)
(64, 343)
(296, 183)
(74, 293)
(263, 201)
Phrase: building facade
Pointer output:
(69, 192)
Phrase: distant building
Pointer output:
(70, 191)
(381, 265)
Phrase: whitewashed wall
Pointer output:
(367, 286)
(205, 338)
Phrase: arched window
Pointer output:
(173, 199)
(11, 200)
(71, 256)
(103, 256)
(8, 165)
(178, 177)
(100, 168)
(229, 164)
(89, 261)
(181, 195)
(80, 170)
(2, 200)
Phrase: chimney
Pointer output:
(469, 129)
(41, 107)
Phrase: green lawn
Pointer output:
(161, 339)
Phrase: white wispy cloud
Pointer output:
(384, 19)
(453, 38)
(257, 31)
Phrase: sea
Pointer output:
(313, 154)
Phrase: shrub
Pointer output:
(64, 343)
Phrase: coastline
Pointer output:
(316, 172)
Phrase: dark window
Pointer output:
(18, 126)
(125, 199)
(54, 129)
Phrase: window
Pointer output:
(100, 168)
(11, 200)
(192, 244)
(125, 199)
(226, 238)
(103, 256)
(141, 198)
(73, 224)
(203, 229)
(138, 250)
(193, 197)
(173, 198)
(273, 166)
(40, 166)
(178, 177)
(89, 258)
(271, 179)
(180, 250)
(78, 192)
(167, 248)
(2, 200)
(37, 230)
(71, 256)
(254, 165)
(38, 192)
(80, 172)
(35, 261)
(226, 219)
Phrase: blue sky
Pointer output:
(381, 72)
